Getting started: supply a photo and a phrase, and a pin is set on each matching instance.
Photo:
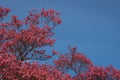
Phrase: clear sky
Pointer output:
(91, 25)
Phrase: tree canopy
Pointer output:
(22, 40)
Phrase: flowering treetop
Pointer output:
(22, 40)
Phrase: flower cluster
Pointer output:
(74, 61)
(51, 15)
(11, 69)
(22, 37)
(99, 73)
(3, 12)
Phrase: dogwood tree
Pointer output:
(22, 40)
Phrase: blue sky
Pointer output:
(91, 25)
